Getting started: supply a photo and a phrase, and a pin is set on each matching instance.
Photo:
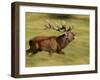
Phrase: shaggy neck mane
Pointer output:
(63, 42)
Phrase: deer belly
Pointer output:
(48, 45)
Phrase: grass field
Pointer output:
(76, 53)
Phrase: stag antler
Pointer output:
(49, 26)
(70, 28)
(62, 28)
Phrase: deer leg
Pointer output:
(28, 51)
(31, 51)
(60, 52)
(50, 53)
(35, 51)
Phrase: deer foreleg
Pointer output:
(60, 52)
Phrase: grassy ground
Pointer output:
(76, 53)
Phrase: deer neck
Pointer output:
(62, 41)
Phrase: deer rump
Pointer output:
(44, 43)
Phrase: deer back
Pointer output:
(45, 42)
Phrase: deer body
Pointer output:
(50, 43)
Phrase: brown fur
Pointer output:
(50, 43)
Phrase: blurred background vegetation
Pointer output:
(76, 53)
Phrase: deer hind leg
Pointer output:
(28, 52)
(31, 51)
(35, 48)
(34, 51)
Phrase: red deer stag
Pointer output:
(51, 43)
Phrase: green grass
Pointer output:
(76, 53)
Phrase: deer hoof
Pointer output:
(62, 53)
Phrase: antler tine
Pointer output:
(51, 27)
(72, 27)
(69, 28)
(47, 26)
(60, 29)
(63, 27)
(57, 29)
